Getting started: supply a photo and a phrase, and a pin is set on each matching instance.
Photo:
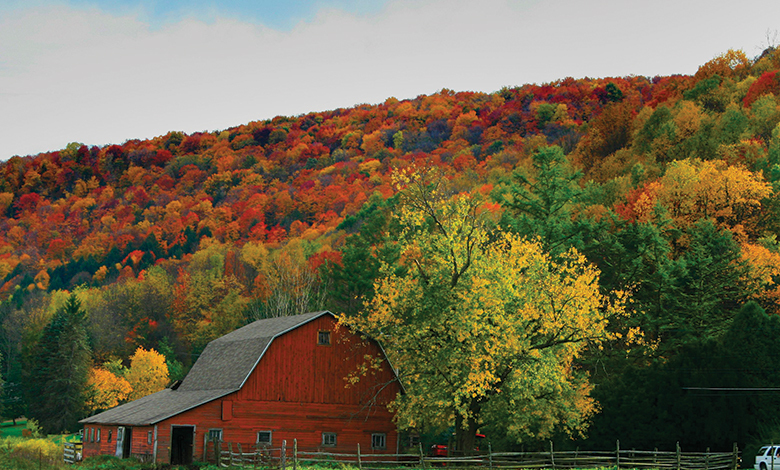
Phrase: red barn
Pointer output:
(272, 380)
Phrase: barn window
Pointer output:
(264, 437)
(91, 434)
(379, 441)
(110, 432)
(148, 437)
(323, 338)
(329, 439)
(97, 436)
(216, 435)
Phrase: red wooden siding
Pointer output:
(297, 369)
(286, 421)
(95, 447)
(139, 444)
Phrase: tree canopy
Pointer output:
(483, 324)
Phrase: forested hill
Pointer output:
(666, 184)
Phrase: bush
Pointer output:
(32, 429)
(43, 450)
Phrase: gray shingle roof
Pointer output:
(221, 369)
(154, 408)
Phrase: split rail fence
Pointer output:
(229, 455)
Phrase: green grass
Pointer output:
(7, 428)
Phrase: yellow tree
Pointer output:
(731, 196)
(106, 389)
(483, 324)
(148, 373)
(763, 273)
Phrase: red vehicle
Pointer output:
(438, 450)
(441, 450)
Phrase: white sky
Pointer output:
(74, 71)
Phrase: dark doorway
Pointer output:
(182, 438)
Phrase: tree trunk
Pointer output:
(466, 433)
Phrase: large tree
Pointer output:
(482, 324)
(58, 378)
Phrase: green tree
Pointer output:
(482, 324)
(541, 201)
(352, 282)
(57, 383)
(707, 395)
(707, 289)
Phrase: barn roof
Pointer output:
(221, 369)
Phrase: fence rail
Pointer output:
(72, 452)
(284, 458)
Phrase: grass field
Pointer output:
(7, 428)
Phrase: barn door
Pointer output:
(182, 439)
(120, 437)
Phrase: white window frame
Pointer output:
(379, 435)
(214, 431)
(327, 437)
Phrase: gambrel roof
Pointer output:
(221, 369)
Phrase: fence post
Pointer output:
(295, 454)
(617, 454)
(552, 455)
(360, 463)
(678, 455)
(422, 457)
(736, 457)
(284, 454)
(218, 452)
(707, 459)
(230, 452)
(240, 454)
(490, 455)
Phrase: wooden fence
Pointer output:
(229, 455)
(72, 452)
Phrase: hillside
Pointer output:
(174, 241)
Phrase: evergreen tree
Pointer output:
(712, 393)
(540, 203)
(57, 381)
(13, 406)
(708, 287)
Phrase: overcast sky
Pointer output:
(102, 72)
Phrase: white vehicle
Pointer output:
(768, 458)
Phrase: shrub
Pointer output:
(32, 428)
(43, 450)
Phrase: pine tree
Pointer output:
(60, 370)
(540, 204)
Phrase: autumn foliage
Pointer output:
(665, 186)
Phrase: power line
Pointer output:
(734, 389)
